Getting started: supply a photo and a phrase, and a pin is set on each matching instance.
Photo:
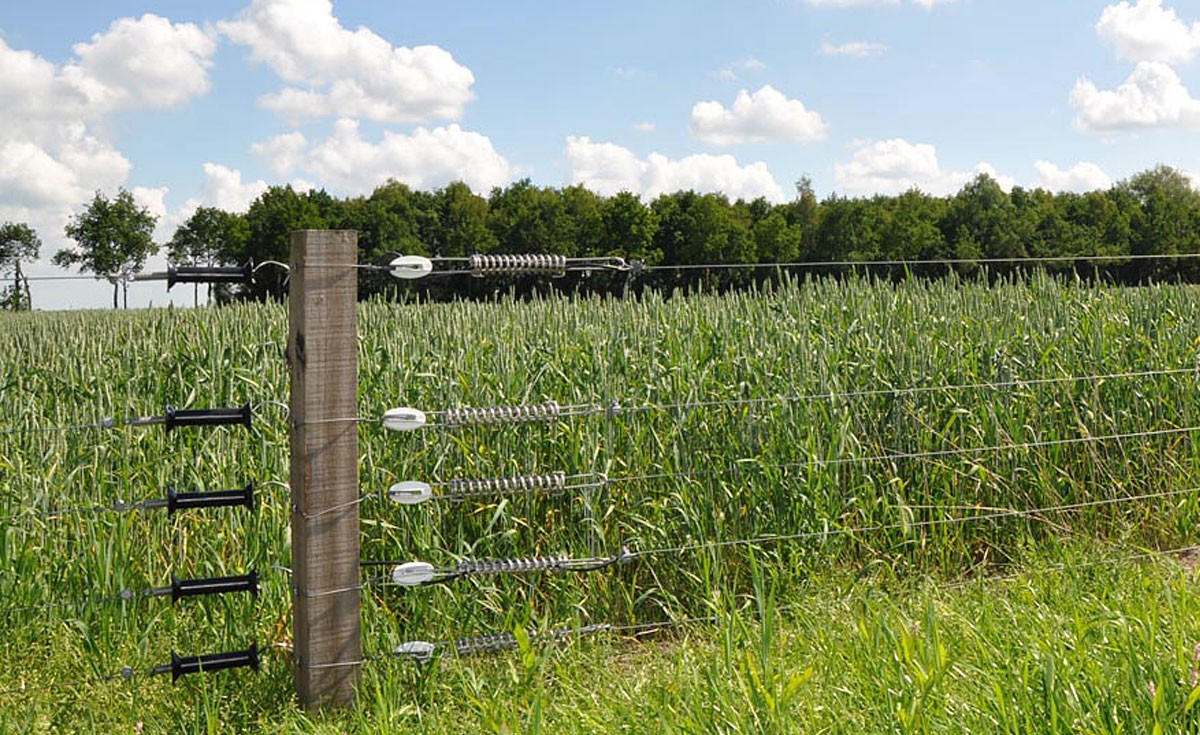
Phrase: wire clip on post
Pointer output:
(177, 501)
(206, 664)
(415, 573)
(181, 588)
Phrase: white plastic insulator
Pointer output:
(410, 267)
(410, 493)
(413, 573)
(403, 419)
(420, 651)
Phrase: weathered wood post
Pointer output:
(322, 353)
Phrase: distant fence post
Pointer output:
(322, 353)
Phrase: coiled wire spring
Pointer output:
(555, 482)
(546, 264)
(547, 412)
(502, 641)
(533, 564)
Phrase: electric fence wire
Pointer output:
(455, 417)
(422, 652)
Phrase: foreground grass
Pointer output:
(1082, 640)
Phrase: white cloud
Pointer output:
(147, 62)
(1146, 31)
(607, 169)
(344, 73)
(730, 73)
(1152, 97)
(347, 163)
(644, 127)
(1082, 177)
(765, 115)
(856, 49)
(283, 153)
(895, 166)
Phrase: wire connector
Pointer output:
(555, 482)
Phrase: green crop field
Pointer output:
(988, 495)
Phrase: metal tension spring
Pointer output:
(546, 412)
(422, 651)
(545, 264)
(553, 482)
(416, 573)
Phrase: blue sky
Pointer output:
(193, 103)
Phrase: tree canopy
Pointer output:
(18, 242)
(114, 238)
(1154, 212)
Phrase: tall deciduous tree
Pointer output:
(18, 242)
(115, 236)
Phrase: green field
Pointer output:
(874, 419)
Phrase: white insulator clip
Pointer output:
(419, 651)
(546, 412)
(545, 264)
(410, 267)
(403, 419)
(410, 493)
(413, 573)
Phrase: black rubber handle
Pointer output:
(209, 274)
(181, 665)
(181, 588)
(211, 499)
(207, 417)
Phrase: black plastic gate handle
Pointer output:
(209, 274)
(207, 417)
(182, 665)
(210, 499)
(181, 588)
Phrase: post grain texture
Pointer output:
(322, 353)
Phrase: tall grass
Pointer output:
(735, 471)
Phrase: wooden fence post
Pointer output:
(322, 353)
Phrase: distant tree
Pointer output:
(115, 236)
(18, 242)
(463, 216)
(983, 220)
(629, 228)
(205, 238)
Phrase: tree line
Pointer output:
(1155, 212)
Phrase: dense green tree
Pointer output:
(18, 242)
(982, 219)
(114, 237)
(463, 216)
(629, 228)
(269, 224)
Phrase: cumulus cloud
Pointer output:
(336, 72)
(1082, 177)
(53, 151)
(644, 127)
(856, 49)
(1152, 97)
(895, 166)
(607, 169)
(348, 163)
(1147, 31)
(766, 115)
(147, 62)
